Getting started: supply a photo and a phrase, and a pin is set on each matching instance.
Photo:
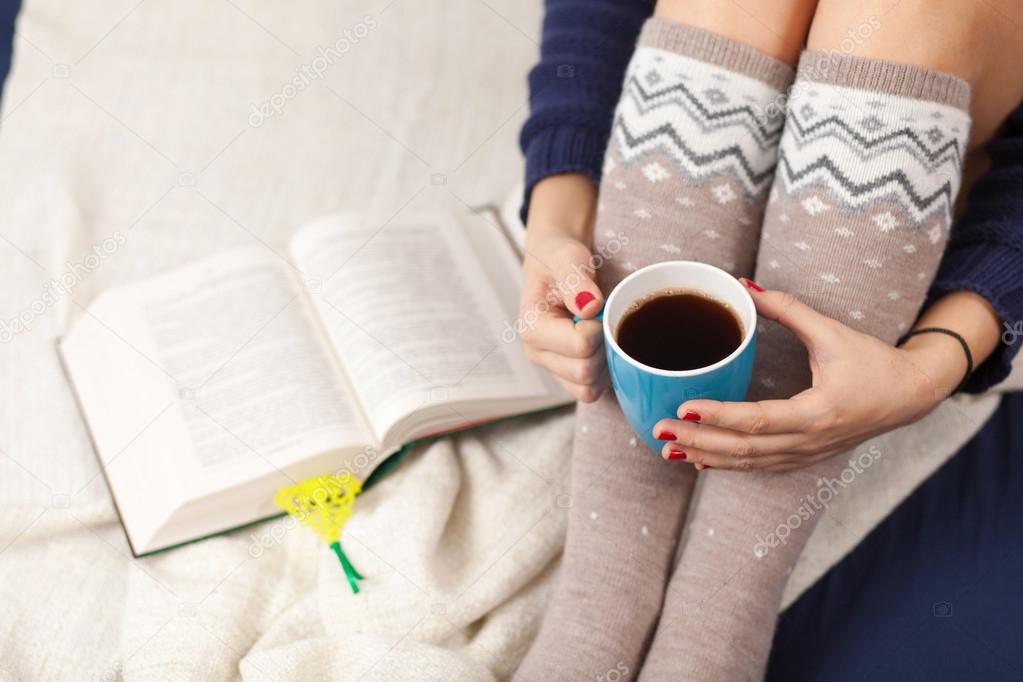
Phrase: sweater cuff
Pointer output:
(994, 275)
(562, 149)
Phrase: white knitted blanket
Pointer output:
(194, 126)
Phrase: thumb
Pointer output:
(812, 328)
(574, 282)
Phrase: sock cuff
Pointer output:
(878, 75)
(697, 43)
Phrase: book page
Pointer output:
(206, 376)
(414, 318)
(255, 376)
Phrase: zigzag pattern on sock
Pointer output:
(898, 158)
(691, 113)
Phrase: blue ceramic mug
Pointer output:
(648, 394)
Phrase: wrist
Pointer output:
(940, 358)
(563, 205)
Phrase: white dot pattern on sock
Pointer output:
(814, 205)
(655, 172)
(886, 221)
(724, 193)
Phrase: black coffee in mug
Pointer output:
(679, 329)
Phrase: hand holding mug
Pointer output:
(558, 284)
(647, 393)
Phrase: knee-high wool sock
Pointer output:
(686, 176)
(868, 171)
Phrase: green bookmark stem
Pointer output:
(350, 571)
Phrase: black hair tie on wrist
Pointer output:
(955, 335)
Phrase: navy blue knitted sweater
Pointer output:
(585, 49)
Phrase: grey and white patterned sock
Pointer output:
(686, 176)
(693, 150)
(869, 168)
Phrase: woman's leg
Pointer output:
(869, 168)
(687, 173)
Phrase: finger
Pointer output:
(585, 394)
(795, 414)
(582, 371)
(573, 280)
(810, 326)
(561, 336)
(733, 444)
(712, 460)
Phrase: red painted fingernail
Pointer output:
(691, 416)
(676, 454)
(582, 298)
(666, 435)
(755, 287)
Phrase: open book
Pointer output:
(208, 388)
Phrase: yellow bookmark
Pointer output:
(324, 504)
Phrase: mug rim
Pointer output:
(747, 336)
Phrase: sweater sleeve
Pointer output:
(985, 250)
(585, 48)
